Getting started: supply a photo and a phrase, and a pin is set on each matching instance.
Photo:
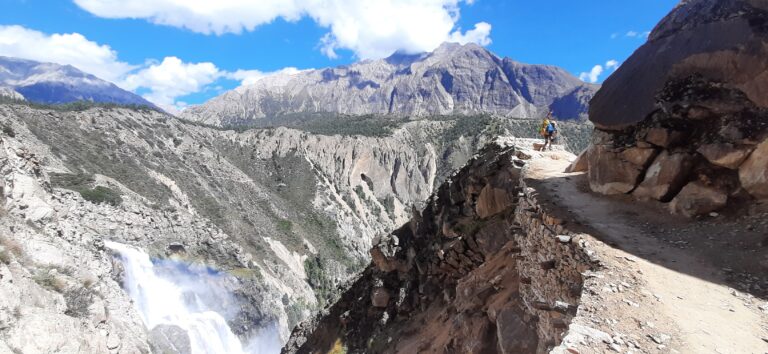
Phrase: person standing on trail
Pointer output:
(548, 131)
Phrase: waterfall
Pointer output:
(172, 293)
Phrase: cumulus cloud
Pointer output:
(63, 48)
(481, 35)
(250, 77)
(593, 76)
(369, 28)
(612, 65)
(170, 79)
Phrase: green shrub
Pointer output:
(318, 279)
(102, 194)
(284, 226)
(7, 130)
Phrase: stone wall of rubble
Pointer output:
(551, 264)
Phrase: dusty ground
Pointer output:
(669, 284)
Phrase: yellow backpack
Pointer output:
(543, 128)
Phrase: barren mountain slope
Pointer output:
(454, 79)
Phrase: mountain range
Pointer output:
(55, 84)
(453, 79)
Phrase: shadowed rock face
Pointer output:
(694, 96)
(723, 40)
(454, 79)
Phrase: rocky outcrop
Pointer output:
(697, 101)
(481, 269)
(454, 79)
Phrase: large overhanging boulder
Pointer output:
(724, 40)
(695, 96)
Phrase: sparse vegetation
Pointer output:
(49, 280)
(76, 106)
(389, 204)
(5, 256)
(81, 183)
(7, 130)
(295, 312)
(102, 194)
(285, 226)
(318, 279)
(78, 301)
(246, 273)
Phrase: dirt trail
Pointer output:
(683, 300)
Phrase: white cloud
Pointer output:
(170, 79)
(369, 28)
(250, 77)
(63, 48)
(636, 34)
(480, 35)
(593, 76)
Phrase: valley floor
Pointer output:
(668, 284)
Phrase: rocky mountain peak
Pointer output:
(55, 83)
(453, 79)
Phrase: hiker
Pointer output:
(549, 131)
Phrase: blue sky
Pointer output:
(185, 54)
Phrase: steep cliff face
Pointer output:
(454, 79)
(694, 132)
(480, 269)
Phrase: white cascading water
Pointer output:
(172, 293)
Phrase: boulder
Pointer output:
(169, 339)
(638, 156)
(665, 177)
(698, 199)
(663, 137)
(384, 253)
(580, 164)
(724, 154)
(722, 40)
(753, 173)
(616, 172)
